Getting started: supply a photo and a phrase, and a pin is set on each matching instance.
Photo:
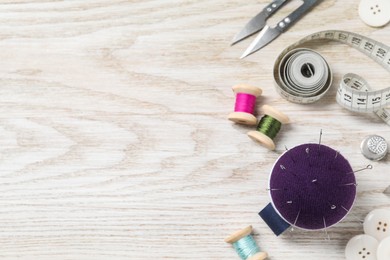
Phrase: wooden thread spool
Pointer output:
(245, 104)
(268, 127)
(245, 251)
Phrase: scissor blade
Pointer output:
(266, 35)
(253, 26)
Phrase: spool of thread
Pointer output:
(245, 104)
(245, 245)
(268, 127)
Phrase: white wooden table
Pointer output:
(114, 142)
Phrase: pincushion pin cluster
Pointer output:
(244, 113)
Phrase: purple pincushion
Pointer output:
(312, 186)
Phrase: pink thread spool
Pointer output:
(245, 104)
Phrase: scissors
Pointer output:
(267, 33)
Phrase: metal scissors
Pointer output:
(268, 33)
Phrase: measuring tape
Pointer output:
(303, 75)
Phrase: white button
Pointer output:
(377, 224)
(361, 247)
(383, 252)
(375, 13)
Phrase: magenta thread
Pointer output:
(245, 103)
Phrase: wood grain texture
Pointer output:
(114, 138)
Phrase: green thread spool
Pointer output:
(268, 127)
(245, 245)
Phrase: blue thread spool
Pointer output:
(245, 245)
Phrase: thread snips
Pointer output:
(267, 33)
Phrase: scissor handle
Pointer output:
(272, 7)
(286, 22)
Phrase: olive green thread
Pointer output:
(269, 126)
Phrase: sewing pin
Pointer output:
(332, 206)
(368, 167)
(319, 142)
(296, 220)
(349, 184)
(327, 238)
(270, 189)
(290, 156)
(353, 215)
(307, 150)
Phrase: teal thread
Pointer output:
(246, 247)
(269, 126)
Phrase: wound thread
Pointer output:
(245, 103)
(246, 247)
(269, 126)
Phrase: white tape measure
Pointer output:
(303, 75)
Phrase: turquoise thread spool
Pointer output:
(268, 127)
(245, 245)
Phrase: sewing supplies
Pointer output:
(245, 245)
(267, 33)
(354, 93)
(374, 147)
(377, 224)
(312, 187)
(383, 251)
(361, 247)
(245, 104)
(268, 127)
(375, 243)
(375, 13)
(304, 74)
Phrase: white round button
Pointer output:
(377, 224)
(375, 13)
(361, 247)
(383, 251)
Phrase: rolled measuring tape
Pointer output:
(303, 75)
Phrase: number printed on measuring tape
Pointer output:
(354, 93)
